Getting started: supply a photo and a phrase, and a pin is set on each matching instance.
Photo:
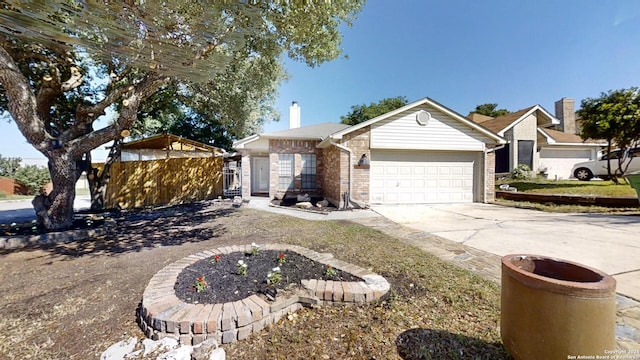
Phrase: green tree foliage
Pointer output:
(362, 113)
(33, 177)
(9, 166)
(64, 62)
(615, 117)
(490, 109)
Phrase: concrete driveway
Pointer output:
(605, 242)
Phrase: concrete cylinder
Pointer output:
(555, 309)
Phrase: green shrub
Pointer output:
(522, 172)
(33, 177)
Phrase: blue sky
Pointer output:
(460, 53)
(463, 53)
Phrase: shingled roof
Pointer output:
(502, 123)
(311, 132)
(559, 137)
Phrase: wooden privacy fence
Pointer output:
(136, 184)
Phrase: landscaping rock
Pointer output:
(204, 349)
(323, 203)
(119, 350)
(164, 344)
(164, 349)
(181, 353)
(304, 198)
(304, 205)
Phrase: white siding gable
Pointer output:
(442, 132)
(261, 144)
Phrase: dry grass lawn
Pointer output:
(74, 300)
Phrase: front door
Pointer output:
(260, 175)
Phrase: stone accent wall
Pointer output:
(297, 148)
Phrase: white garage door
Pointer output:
(422, 177)
(559, 162)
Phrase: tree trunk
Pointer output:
(55, 210)
(99, 180)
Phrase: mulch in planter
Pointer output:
(224, 284)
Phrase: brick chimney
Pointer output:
(294, 115)
(567, 115)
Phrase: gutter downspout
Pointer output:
(350, 200)
(486, 151)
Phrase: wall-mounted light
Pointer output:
(363, 160)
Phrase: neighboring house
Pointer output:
(420, 153)
(548, 144)
(559, 151)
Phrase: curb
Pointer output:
(20, 241)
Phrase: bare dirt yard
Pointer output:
(72, 301)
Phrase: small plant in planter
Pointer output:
(200, 284)
(282, 258)
(216, 259)
(242, 268)
(275, 276)
(330, 271)
(255, 248)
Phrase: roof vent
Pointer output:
(423, 117)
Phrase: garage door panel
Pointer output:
(399, 177)
(419, 184)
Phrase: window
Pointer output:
(525, 153)
(285, 171)
(308, 173)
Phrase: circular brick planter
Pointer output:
(162, 314)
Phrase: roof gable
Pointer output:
(503, 123)
(426, 101)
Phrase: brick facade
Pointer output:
(334, 182)
(246, 176)
(490, 175)
(297, 148)
(359, 143)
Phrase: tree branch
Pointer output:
(22, 104)
(128, 114)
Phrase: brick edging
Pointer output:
(163, 314)
(20, 241)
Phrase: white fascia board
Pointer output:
(576, 144)
(242, 142)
